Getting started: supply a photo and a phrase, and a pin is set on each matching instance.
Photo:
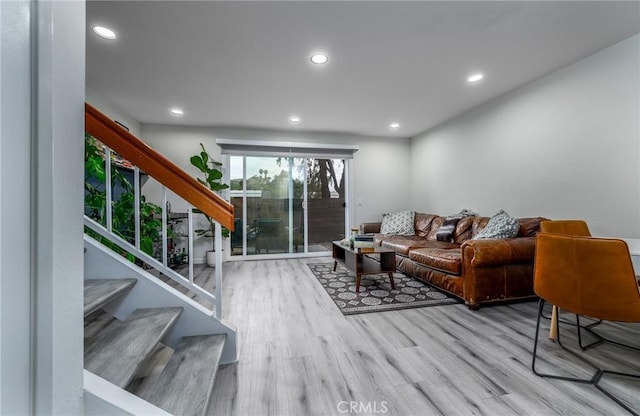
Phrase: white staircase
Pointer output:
(146, 341)
(148, 348)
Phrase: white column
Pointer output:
(15, 209)
(58, 232)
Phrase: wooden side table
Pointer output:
(356, 260)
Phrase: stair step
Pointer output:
(185, 385)
(117, 352)
(95, 322)
(98, 292)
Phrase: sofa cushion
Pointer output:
(446, 260)
(448, 227)
(398, 223)
(369, 228)
(501, 225)
(463, 230)
(422, 223)
(436, 223)
(478, 224)
(403, 244)
(529, 227)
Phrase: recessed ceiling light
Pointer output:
(294, 120)
(104, 32)
(319, 58)
(475, 78)
(394, 126)
(176, 112)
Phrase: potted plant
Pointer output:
(122, 204)
(212, 180)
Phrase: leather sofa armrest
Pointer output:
(370, 227)
(496, 252)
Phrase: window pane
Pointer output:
(268, 204)
(326, 202)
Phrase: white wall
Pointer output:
(15, 218)
(564, 146)
(380, 165)
(113, 111)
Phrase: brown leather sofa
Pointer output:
(477, 271)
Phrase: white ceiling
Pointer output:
(246, 64)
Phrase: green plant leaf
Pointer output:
(198, 163)
(146, 245)
(204, 156)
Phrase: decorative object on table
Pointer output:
(376, 294)
(212, 180)
(352, 237)
(363, 241)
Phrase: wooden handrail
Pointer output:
(159, 167)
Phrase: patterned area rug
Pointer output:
(376, 294)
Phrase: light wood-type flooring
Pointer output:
(298, 355)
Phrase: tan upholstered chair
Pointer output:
(578, 228)
(586, 276)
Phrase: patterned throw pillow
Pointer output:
(399, 223)
(501, 225)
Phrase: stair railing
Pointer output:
(196, 196)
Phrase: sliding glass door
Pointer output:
(325, 202)
(286, 205)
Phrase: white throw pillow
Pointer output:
(501, 225)
(399, 223)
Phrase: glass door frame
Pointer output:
(348, 212)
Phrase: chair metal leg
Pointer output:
(535, 339)
(535, 349)
(599, 338)
(567, 322)
(589, 328)
(595, 378)
(564, 321)
(594, 343)
(611, 396)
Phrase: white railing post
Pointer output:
(108, 191)
(165, 261)
(290, 196)
(190, 242)
(218, 243)
(136, 210)
(305, 206)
